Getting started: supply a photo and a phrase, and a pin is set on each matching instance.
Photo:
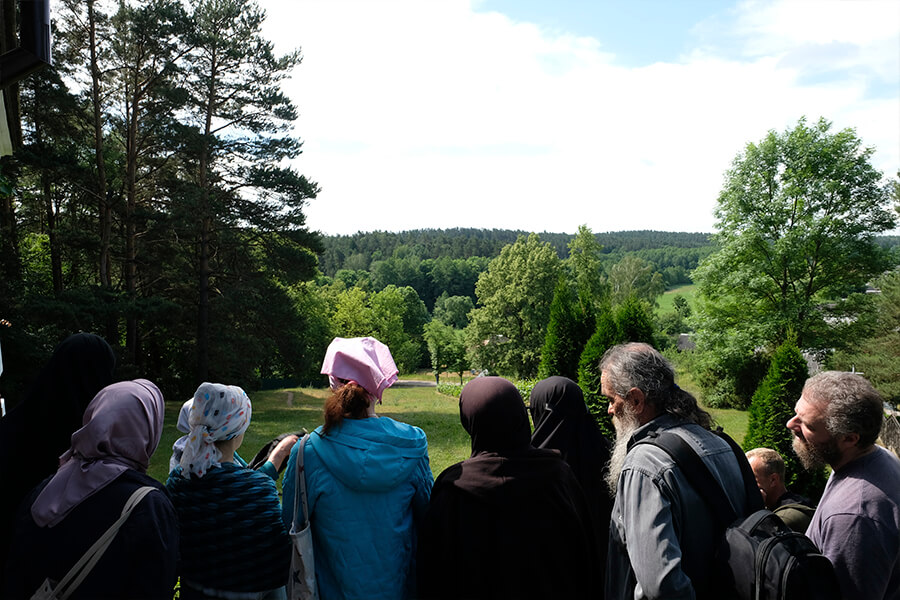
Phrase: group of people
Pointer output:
(544, 507)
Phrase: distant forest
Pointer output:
(360, 250)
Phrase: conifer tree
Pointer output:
(771, 408)
(562, 343)
(606, 334)
(634, 321)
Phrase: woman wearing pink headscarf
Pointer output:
(67, 513)
(368, 480)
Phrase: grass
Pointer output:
(665, 301)
(436, 414)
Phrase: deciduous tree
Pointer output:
(514, 295)
(796, 222)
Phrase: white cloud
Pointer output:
(431, 114)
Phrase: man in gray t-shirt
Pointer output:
(857, 524)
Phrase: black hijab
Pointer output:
(505, 502)
(493, 413)
(36, 432)
(562, 422)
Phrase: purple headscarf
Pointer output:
(122, 427)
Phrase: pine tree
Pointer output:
(771, 408)
(606, 334)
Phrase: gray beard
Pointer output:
(625, 426)
(814, 457)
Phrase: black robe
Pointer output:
(37, 431)
(512, 520)
(562, 422)
(139, 563)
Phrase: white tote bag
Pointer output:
(302, 584)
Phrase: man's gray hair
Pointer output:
(771, 461)
(641, 366)
(851, 404)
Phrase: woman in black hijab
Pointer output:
(37, 431)
(562, 422)
(511, 521)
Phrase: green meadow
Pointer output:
(665, 301)
(436, 414)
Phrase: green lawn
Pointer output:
(436, 414)
(665, 301)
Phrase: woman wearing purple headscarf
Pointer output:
(66, 514)
(511, 521)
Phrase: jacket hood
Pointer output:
(372, 455)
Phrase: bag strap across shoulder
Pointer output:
(300, 488)
(70, 582)
(701, 478)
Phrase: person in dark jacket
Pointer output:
(233, 543)
(67, 513)
(562, 422)
(511, 521)
(40, 428)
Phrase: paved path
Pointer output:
(413, 383)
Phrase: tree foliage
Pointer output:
(507, 329)
(879, 356)
(796, 223)
(770, 410)
(566, 334)
(635, 277)
(150, 202)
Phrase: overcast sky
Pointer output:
(543, 115)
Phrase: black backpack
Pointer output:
(759, 557)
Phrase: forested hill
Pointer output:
(358, 251)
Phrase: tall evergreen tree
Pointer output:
(772, 407)
(563, 342)
(242, 120)
(606, 335)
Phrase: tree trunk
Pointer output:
(204, 271)
(131, 321)
(55, 255)
(103, 209)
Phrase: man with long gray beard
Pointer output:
(662, 535)
(857, 524)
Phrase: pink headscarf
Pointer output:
(121, 430)
(364, 361)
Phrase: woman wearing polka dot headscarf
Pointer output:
(233, 542)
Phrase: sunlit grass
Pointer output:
(436, 414)
(665, 301)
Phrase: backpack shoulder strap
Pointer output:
(696, 472)
(751, 488)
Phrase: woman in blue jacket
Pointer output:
(368, 480)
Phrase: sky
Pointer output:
(543, 115)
